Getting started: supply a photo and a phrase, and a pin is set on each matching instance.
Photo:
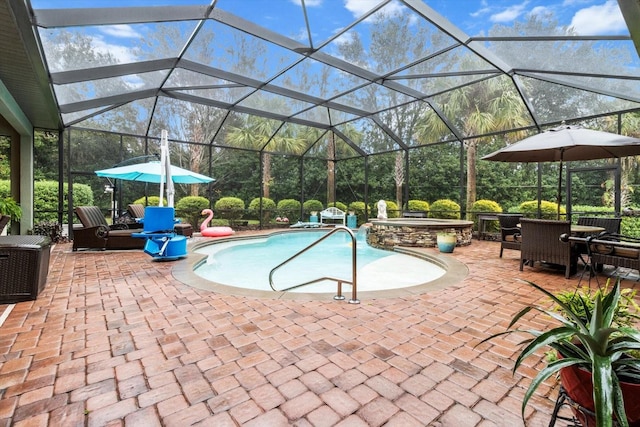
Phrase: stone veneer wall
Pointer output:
(388, 236)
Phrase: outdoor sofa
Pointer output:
(95, 233)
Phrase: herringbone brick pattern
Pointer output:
(115, 340)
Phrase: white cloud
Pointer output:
(360, 7)
(509, 14)
(123, 54)
(600, 19)
(540, 11)
(121, 31)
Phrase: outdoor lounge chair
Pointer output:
(95, 233)
(541, 242)
(510, 234)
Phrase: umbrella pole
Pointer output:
(559, 199)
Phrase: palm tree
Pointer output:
(486, 106)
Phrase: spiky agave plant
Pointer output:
(587, 339)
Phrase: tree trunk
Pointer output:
(472, 149)
(331, 167)
(399, 177)
(266, 174)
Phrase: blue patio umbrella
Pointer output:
(151, 172)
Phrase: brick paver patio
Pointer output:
(116, 340)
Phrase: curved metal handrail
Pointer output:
(338, 296)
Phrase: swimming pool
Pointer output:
(241, 266)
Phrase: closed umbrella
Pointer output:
(567, 143)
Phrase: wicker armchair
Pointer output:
(4, 220)
(541, 242)
(616, 250)
(510, 235)
(95, 233)
(610, 225)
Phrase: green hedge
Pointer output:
(268, 208)
(549, 210)
(482, 206)
(45, 198)
(189, 209)
(445, 209)
(229, 208)
(289, 208)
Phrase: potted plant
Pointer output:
(446, 241)
(595, 342)
(11, 208)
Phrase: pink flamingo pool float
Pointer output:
(207, 231)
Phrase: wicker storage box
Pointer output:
(24, 265)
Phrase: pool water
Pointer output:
(246, 263)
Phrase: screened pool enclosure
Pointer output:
(330, 100)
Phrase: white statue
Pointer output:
(382, 209)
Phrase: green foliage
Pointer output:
(392, 209)
(630, 226)
(268, 207)
(418, 205)
(358, 208)
(229, 208)
(312, 205)
(549, 210)
(482, 206)
(189, 208)
(10, 207)
(150, 201)
(45, 199)
(588, 336)
(289, 208)
(445, 209)
(338, 205)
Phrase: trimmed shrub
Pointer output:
(289, 208)
(149, 201)
(45, 198)
(189, 209)
(549, 210)
(392, 209)
(338, 205)
(229, 208)
(418, 205)
(359, 209)
(312, 205)
(485, 206)
(445, 209)
(268, 208)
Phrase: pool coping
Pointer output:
(183, 271)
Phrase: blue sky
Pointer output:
(474, 17)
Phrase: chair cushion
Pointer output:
(91, 216)
(513, 238)
(623, 252)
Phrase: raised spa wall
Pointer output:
(387, 233)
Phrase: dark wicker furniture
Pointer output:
(4, 220)
(616, 250)
(541, 242)
(95, 233)
(510, 234)
(610, 225)
(24, 265)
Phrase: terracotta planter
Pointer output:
(577, 383)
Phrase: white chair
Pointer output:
(333, 213)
